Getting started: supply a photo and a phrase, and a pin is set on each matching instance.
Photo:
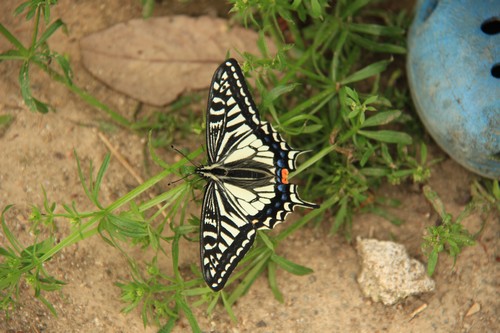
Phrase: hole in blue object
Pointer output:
(491, 26)
(495, 70)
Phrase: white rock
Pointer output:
(388, 274)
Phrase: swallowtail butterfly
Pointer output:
(247, 174)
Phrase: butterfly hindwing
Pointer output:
(225, 236)
(247, 176)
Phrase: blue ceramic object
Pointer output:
(454, 74)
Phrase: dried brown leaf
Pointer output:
(157, 59)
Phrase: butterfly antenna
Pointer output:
(185, 156)
(178, 180)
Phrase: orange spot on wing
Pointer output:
(284, 176)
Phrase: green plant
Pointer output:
(5, 122)
(486, 197)
(448, 235)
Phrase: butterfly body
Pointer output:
(247, 176)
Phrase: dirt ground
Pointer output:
(37, 150)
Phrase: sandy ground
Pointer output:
(37, 150)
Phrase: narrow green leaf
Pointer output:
(296, 4)
(273, 282)
(179, 300)
(462, 237)
(5, 121)
(496, 190)
(276, 92)
(153, 154)
(340, 216)
(423, 153)
(228, 308)
(262, 43)
(435, 201)
(6, 253)
(402, 173)
(46, 12)
(325, 151)
(213, 303)
(289, 266)
(366, 155)
(388, 136)
(316, 9)
(49, 31)
(370, 70)
(384, 150)
(24, 82)
(100, 175)
(376, 30)
(169, 326)
(65, 66)
(11, 55)
(128, 227)
(432, 262)
(314, 101)
(266, 241)
(196, 291)
(147, 8)
(375, 46)
(454, 248)
(19, 9)
(301, 119)
(374, 172)
(81, 176)
(41, 106)
(353, 7)
(370, 100)
(31, 12)
(308, 129)
(352, 94)
(48, 305)
(381, 118)
(8, 234)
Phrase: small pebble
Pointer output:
(475, 308)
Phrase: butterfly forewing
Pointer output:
(248, 165)
(231, 114)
